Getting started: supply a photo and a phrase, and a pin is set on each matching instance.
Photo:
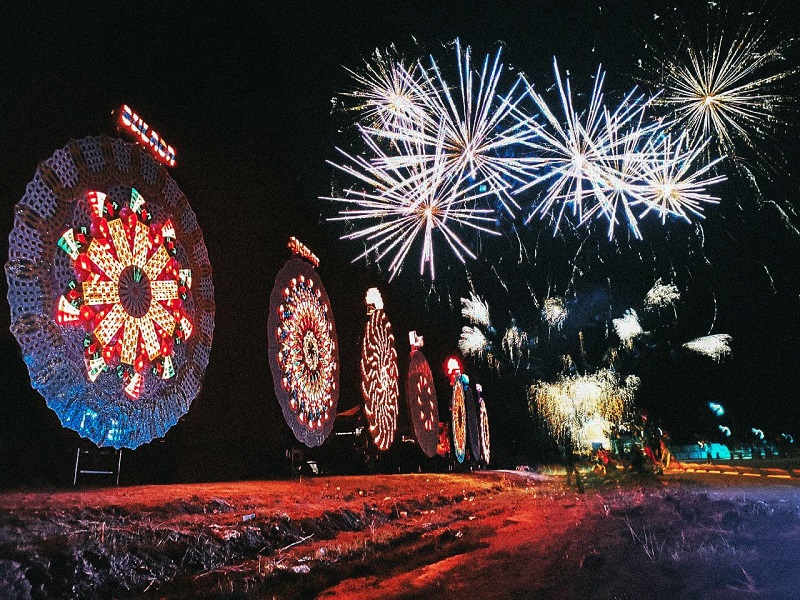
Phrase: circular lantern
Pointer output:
(303, 353)
(379, 375)
(110, 292)
(459, 415)
(484, 427)
(422, 404)
(473, 427)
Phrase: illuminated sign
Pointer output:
(297, 247)
(144, 134)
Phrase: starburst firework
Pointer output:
(730, 91)
(408, 203)
(481, 130)
(389, 93)
(604, 163)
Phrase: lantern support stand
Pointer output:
(78, 471)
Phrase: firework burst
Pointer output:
(481, 129)
(628, 327)
(388, 92)
(554, 311)
(671, 185)
(662, 294)
(715, 346)
(472, 341)
(582, 408)
(476, 310)
(730, 91)
(409, 203)
(606, 163)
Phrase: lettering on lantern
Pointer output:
(297, 247)
(145, 135)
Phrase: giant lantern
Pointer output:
(303, 352)
(379, 373)
(421, 396)
(473, 425)
(110, 291)
(484, 425)
(460, 383)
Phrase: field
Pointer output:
(516, 534)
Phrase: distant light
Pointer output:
(758, 433)
(717, 409)
(725, 430)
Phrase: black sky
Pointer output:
(244, 91)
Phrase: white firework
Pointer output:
(715, 346)
(472, 341)
(608, 163)
(662, 294)
(586, 156)
(672, 186)
(482, 130)
(476, 310)
(730, 91)
(628, 327)
(554, 311)
(389, 93)
(404, 204)
(583, 408)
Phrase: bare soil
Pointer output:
(485, 534)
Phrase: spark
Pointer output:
(662, 294)
(730, 91)
(715, 346)
(480, 127)
(554, 311)
(476, 310)
(628, 327)
(583, 408)
(472, 341)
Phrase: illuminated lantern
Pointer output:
(303, 351)
(483, 418)
(379, 373)
(473, 426)
(421, 396)
(94, 298)
(458, 409)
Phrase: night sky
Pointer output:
(244, 94)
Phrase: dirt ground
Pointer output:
(485, 534)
